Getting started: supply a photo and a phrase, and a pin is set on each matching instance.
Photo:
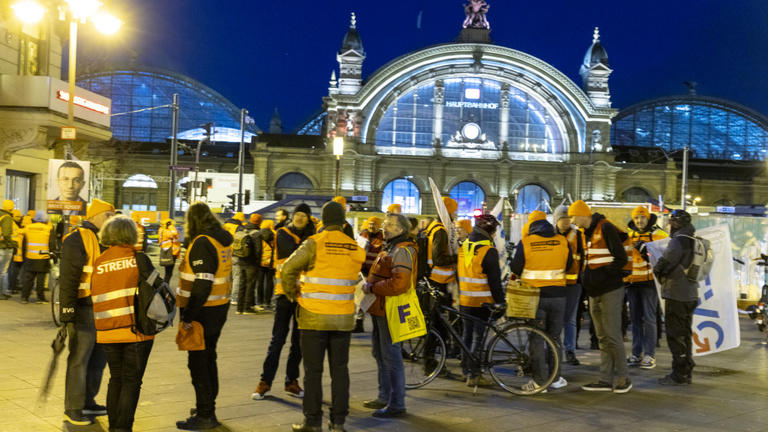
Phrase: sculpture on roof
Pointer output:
(476, 10)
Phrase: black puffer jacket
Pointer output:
(670, 270)
(607, 278)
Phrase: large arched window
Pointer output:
(636, 194)
(404, 192)
(292, 183)
(139, 192)
(532, 197)
(470, 196)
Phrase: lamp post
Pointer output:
(338, 150)
(30, 11)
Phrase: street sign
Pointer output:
(359, 198)
(180, 168)
(725, 209)
(68, 133)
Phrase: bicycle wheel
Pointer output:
(53, 284)
(422, 363)
(512, 359)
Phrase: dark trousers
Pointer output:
(85, 363)
(27, 279)
(678, 317)
(169, 272)
(472, 338)
(314, 345)
(431, 344)
(249, 277)
(127, 363)
(266, 288)
(643, 300)
(13, 275)
(550, 316)
(202, 364)
(285, 317)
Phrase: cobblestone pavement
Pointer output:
(729, 391)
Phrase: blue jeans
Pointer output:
(572, 297)
(472, 338)
(6, 256)
(550, 317)
(643, 302)
(389, 359)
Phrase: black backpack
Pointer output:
(154, 303)
(422, 243)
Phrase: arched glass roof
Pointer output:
(134, 90)
(712, 128)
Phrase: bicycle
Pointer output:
(53, 285)
(506, 352)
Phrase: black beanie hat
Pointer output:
(333, 214)
(303, 208)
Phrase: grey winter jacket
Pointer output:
(670, 270)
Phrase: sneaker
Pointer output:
(560, 383)
(633, 360)
(333, 427)
(95, 409)
(478, 381)
(24, 301)
(260, 391)
(239, 312)
(531, 387)
(600, 386)
(304, 427)
(42, 301)
(233, 303)
(648, 362)
(624, 387)
(374, 404)
(195, 423)
(77, 418)
(250, 311)
(257, 308)
(570, 358)
(389, 413)
(293, 389)
(672, 380)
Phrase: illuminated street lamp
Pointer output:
(30, 11)
(338, 150)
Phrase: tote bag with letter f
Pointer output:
(404, 317)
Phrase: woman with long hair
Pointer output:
(203, 296)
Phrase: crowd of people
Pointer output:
(306, 272)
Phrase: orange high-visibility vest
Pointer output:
(113, 288)
(92, 251)
(641, 269)
(169, 239)
(139, 246)
(38, 235)
(279, 262)
(438, 274)
(575, 241)
(268, 251)
(545, 260)
(597, 253)
(329, 288)
(473, 282)
(222, 279)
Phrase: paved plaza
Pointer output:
(730, 390)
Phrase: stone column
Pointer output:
(437, 123)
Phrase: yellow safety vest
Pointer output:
(38, 236)
(473, 283)
(279, 262)
(329, 288)
(268, 252)
(545, 260)
(92, 251)
(438, 274)
(169, 239)
(222, 279)
(641, 269)
(114, 285)
(231, 228)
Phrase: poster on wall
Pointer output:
(68, 186)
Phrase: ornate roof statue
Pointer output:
(476, 10)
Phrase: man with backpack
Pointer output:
(246, 249)
(680, 296)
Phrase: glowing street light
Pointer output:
(338, 150)
(28, 11)
(106, 23)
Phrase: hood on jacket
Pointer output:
(685, 230)
(542, 228)
(479, 234)
(650, 227)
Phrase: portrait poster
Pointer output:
(68, 186)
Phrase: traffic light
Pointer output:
(232, 201)
(247, 199)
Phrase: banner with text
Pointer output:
(716, 320)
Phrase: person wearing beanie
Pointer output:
(346, 227)
(463, 228)
(266, 287)
(341, 200)
(534, 216)
(572, 287)
(247, 262)
(27, 219)
(541, 260)
(18, 258)
(452, 206)
(7, 246)
(602, 281)
(231, 225)
(168, 237)
(37, 244)
(86, 360)
(289, 238)
(641, 289)
(395, 208)
(329, 263)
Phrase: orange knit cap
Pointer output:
(579, 208)
(450, 204)
(395, 208)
